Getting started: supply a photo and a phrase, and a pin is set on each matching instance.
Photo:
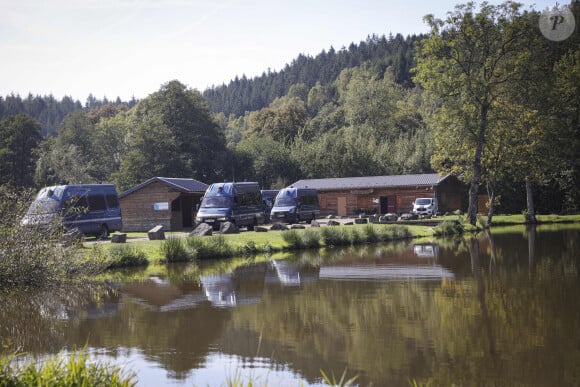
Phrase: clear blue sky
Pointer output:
(130, 48)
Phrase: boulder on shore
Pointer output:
(156, 233)
(229, 228)
(203, 229)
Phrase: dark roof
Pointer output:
(181, 185)
(426, 179)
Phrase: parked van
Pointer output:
(295, 204)
(92, 208)
(239, 203)
(425, 206)
(268, 198)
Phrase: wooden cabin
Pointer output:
(170, 202)
(351, 196)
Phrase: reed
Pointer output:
(75, 369)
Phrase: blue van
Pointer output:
(268, 198)
(293, 205)
(92, 208)
(239, 203)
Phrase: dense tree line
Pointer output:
(242, 94)
(48, 111)
(484, 96)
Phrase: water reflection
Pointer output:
(500, 308)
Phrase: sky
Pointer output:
(130, 48)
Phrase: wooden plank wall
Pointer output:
(137, 208)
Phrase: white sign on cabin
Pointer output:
(162, 206)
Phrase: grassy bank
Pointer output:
(178, 247)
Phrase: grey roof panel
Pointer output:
(180, 184)
(427, 179)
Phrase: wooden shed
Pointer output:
(351, 196)
(170, 202)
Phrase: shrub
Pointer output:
(448, 228)
(370, 233)
(311, 239)
(335, 236)
(173, 249)
(34, 257)
(292, 239)
(214, 246)
(123, 255)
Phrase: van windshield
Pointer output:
(423, 202)
(285, 202)
(42, 207)
(216, 202)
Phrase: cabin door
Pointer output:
(341, 206)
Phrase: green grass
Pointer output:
(73, 370)
(250, 243)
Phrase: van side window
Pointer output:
(112, 201)
(77, 204)
(97, 203)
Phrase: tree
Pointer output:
(19, 137)
(192, 144)
(467, 63)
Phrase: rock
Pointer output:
(297, 227)
(260, 229)
(314, 223)
(72, 236)
(156, 233)
(278, 226)
(330, 217)
(374, 219)
(348, 223)
(333, 223)
(229, 228)
(203, 229)
(361, 220)
(388, 218)
(119, 238)
(408, 216)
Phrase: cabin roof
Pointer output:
(179, 184)
(426, 179)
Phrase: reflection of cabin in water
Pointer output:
(395, 194)
(170, 202)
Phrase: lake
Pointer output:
(501, 309)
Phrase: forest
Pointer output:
(484, 96)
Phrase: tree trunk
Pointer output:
(491, 194)
(474, 189)
(531, 214)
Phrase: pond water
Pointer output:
(499, 309)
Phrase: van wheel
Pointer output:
(103, 232)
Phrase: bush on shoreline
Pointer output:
(32, 257)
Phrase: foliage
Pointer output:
(448, 228)
(75, 369)
(342, 382)
(126, 255)
(174, 250)
(301, 239)
(32, 256)
(215, 246)
(19, 138)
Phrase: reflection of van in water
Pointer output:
(295, 204)
(239, 203)
(425, 206)
(92, 208)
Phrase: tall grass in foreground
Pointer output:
(73, 370)
(214, 246)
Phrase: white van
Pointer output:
(425, 206)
